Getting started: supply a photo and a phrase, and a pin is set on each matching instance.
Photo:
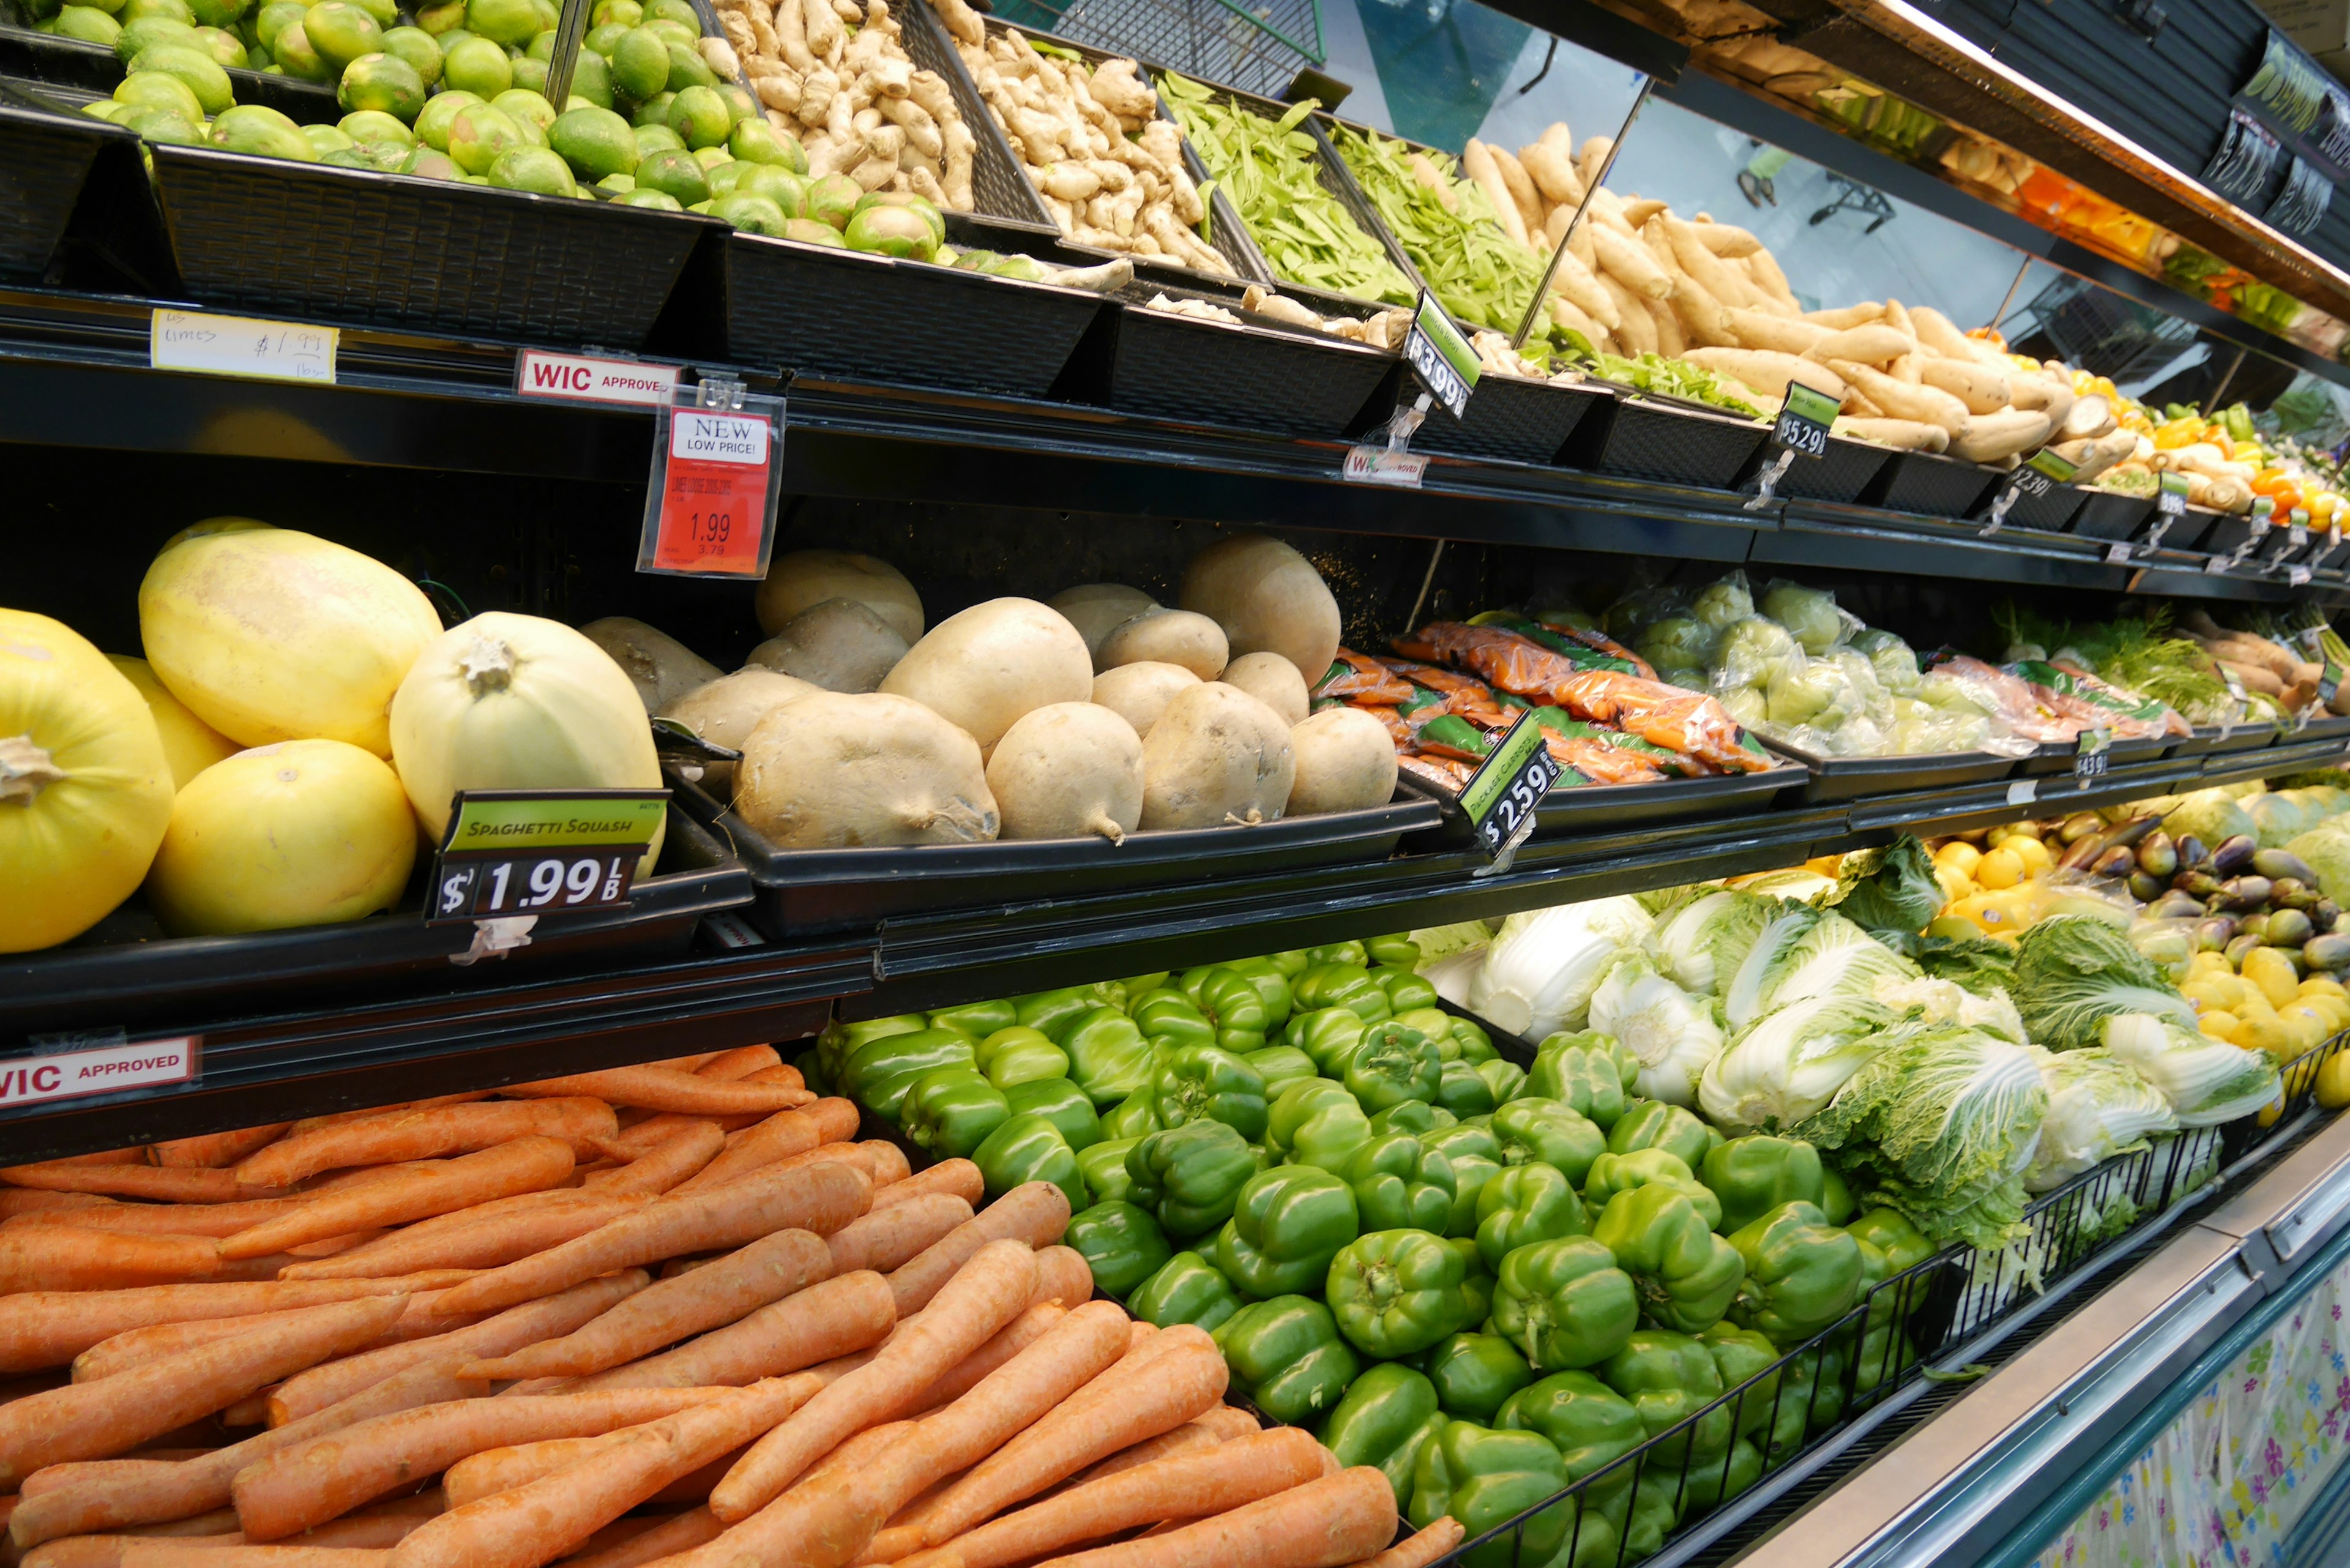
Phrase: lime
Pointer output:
(905, 199)
(542, 48)
(297, 57)
(682, 12)
(417, 46)
(225, 49)
(641, 63)
(385, 11)
(653, 139)
(478, 67)
(145, 32)
(159, 89)
(429, 165)
(217, 13)
(669, 32)
(158, 10)
(193, 65)
(260, 130)
(740, 104)
(432, 125)
(725, 176)
(808, 231)
(778, 185)
(595, 142)
(653, 110)
(383, 81)
(522, 104)
(530, 74)
(617, 184)
(686, 68)
(675, 174)
(275, 19)
(374, 125)
(107, 109)
(893, 232)
(602, 38)
(833, 199)
(757, 142)
(353, 157)
(699, 116)
(342, 31)
(710, 156)
(326, 138)
(621, 13)
(156, 124)
(451, 37)
(550, 16)
(503, 21)
(385, 157)
(660, 200)
(756, 213)
(92, 25)
(591, 79)
(531, 169)
(478, 134)
(445, 17)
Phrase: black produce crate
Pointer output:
(2326, 556)
(999, 187)
(2190, 530)
(1852, 778)
(2104, 514)
(2057, 756)
(1522, 420)
(1841, 474)
(2329, 727)
(1930, 485)
(1265, 375)
(801, 890)
(126, 970)
(2230, 532)
(405, 253)
(1594, 809)
(2208, 738)
(47, 154)
(1677, 444)
(2050, 513)
(94, 68)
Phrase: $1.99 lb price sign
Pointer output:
(1502, 796)
(542, 851)
(710, 508)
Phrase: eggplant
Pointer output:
(2191, 852)
(2300, 964)
(2237, 948)
(2234, 855)
(2246, 892)
(2132, 831)
(2157, 855)
(2253, 925)
(2198, 885)
(2289, 894)
(2326, 953)
(2276, 865)
(2118, 860)
(2079, 826)
(2171, 906)
(2287, 929)
(2325, 916)
(2215, 933)
(2080, 854)
(2146, 889)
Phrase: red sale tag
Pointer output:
(712, 505)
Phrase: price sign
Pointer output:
(243, 346)
(2296, 574)
(710, 508)
(1805, 419)
(542, 851)
(2036, 476)
(1502, 795)
(2089, 758)
(2117, 553)
(2328, 682)
(592, 379)
(2170, 495)
(2215, 565)
(1380, 465)
(2298, 533)
(1440, 356)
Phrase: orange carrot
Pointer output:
(94, 1421)
(987, 1293)
(956, 1177)
(21, 1203)
(136, 1154)
(214, 1220)
(766, 1271)
(640, 1138)
(520, 1165)
(780, 1136)
(821, 1200)
(49, 1328)
(666, 1089)
(214, 1150)
(66, 1258)
(181, 1184)
(832, 1317)
(1201, 1432)
(783, 1075)
(1007, 1341)
(315, 1481)
(1064, 1270)
(484, 1243)
(1336, 1520)
(740, 1063)
(527, 1323)
(1424, 1548)
(683, 1534)
(135, 1347)
(493, 1470)
(665, 1165)
(889, 1163)
(888, 1239)
(584, 1124)
(136, 1552)
(1034, 1213)
(1046, 1293)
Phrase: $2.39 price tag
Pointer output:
(1502, 796)
(542, 852)
(710, 508)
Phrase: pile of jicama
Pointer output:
(664, 1313)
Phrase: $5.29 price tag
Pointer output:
(710, 507)
(542, 852)
(1502, 796)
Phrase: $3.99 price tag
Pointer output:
(542, 852)
(710, 508)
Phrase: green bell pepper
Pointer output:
(1338, 952)
(1645, 1511)
(1484, 1479)
(1835, 1196)
(1134, 987)
(1802, 1274)
(1189, 1175)
(1588, 1423)
(1103, 1167)
(1753, 1176)
(1710, 1481)
(1120, 1244)
(1532, 1131)
(1397, 950)
(950, 1111)
(1505, 1081)
(1020, 1055)
(1027, 1148)
(1743, 1356)
(1615, 1173)
(1393, 1064)
(1342, 984)
(1397, 1292)
(1287, 1358)
(1169, 1018)
(1137, 1115)
(1399, 1184)
(1206, 1083)
(1328, 1037)
(1476, 1159)
(1417, 1118)
(1474, 1374)
(1890, 1246)
(1272, 986)
(1109, 1058)
(1670, 1377)
(1476, 1045)
(1063, 1104)
(883, 1070)
(840, 1041)
(978, 1019)
(1188, 1289)
(1316, 1123)
(1811, 1398)
(1437, 1024)
(1686, 1275)
(1523, 1205)
(1406, 991)
(1477, 1283)
(1884, 1354)
(1286, 1225)
(1279, 1066)
(1565, 1303)
(1054, 1014)
(1290, 964)
(1387, 1414)
(1587, 1071)
(1652, 1123)
(1463, 1090)
(1232, 1004)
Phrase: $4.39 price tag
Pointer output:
(1502, 796)
(542, 851)
(710, 507)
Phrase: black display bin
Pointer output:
(1646, 437)
(1852, 778)
(1929, 484)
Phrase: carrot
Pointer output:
(1034, 1213)
(683, 1534)
(136, 1154)
(1065, 1270)
(821, 1200)
(508, 1330)
(93, 1420)
(484, 1243)
(782, 1076)
(313, 1481)
(494, 1470)
(1336, 1520)
(640, 1138)
(1210, 1481)
(49, 1328)
(674, 1161)
(536, 1524)
(584, 1124)
(987, 1293)
(889, 1163)
(768, 1270)
(1172, 1379)
(1045, 1295)
(66, 1258)
(780, 1136)
(214, 1220)
(829, 1318)
(136, 1552)
(1201, 1432)
(178, 1185)
(214, 1151)
(19, 1203)
(740, 1063)
(955, 1177)
(129, 1498)
(1007, 1341)
(135, 1347)
(1423, 1549)
(666, 1089)
(520, 1165)
(890, 1238)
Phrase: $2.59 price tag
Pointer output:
(542, 851)
(1501, 797)
(710, 507)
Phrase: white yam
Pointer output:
(1844, 316)
(806, 577)
(1902, 435)
(1066, 770)
(725, 711)
(1766, 371)
(1760, 329)
(661, 667)
(982, 668)
(1096, 608)
(1167, 637)
(1928, 405)
(1874, 343)
(840, 645)
(1981, 389)
(1939, 333)
(1217, 756)
(837, 770)
(1345, 761)
(1140, 693)
(1274, 681)
(1268, 598)
(1994, 436)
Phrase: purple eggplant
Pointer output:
(2234, 855)
(2287, 929)
(2276, 865)
(2215, 933)
(2327, 953)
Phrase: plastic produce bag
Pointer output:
(1895, 660)
(1641, 608)
(1811, 615)
(1726, 600)
(1750, 653)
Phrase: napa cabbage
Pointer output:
(1937, 1000)
(2073, 971)
(1807, 952)
(2206, 1081)
(2099, 1105)
(1702, 935)
(1791, 1061)
(1544, 965)
(1892, 889)
(1675, 1035)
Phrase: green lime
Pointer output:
(352, 157)
(417, 48)
(779, 185)
(595, 142)
(710, 156)
(653, 139)
(591, 79)
(478, 133)
(654, 110)
(260, 130)
(504, 21)
(756, 213)
(757, 142)
(619, 12)
(299, 57)
(522, 104)
(931, 216)
(275, 19)
(724, 177)
(427, 164)
(145, 32)
(432, 125)
(639, 63)
(108, 109)
(374, 125)
(90, 25)
(550, 16)
(676, 175)
(640, 197)
(385, 11)
(809, 231)
(159, 89)
(478, 67)
(193, 65)
(383, 81)
(218, 13)
(342, 32)
(542, 48)
(450, 38)
(682, 12)
(158, 10)
(740, 104)
(617, 184)
(669, 32)
(893, 232)
(833, 200)
(156, 124)
(225, 49)
(530, 75)
(531, 169)
(699, 116)
(604, 38)
(326, 138)
(687, 69)
(445, 17)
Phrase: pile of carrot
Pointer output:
(671, 1313)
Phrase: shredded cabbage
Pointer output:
(2206, 1081)
(2073, 971)
(1675, 1035)
(2098, 1107)
(1543, 966)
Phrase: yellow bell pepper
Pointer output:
(2172, 434)
(2333, 1081)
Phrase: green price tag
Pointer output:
(1502, 795)
(542, 852)
(1805, 418)
(1441, 356)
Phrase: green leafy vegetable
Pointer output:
(1446, 225)
(1889, 889)
(2073, 971)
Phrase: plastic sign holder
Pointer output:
(1446, 366)
(1805, 419)
(1502, 796)
(243, 346)
(717, 475)
(535, 852)
(99, 1062)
